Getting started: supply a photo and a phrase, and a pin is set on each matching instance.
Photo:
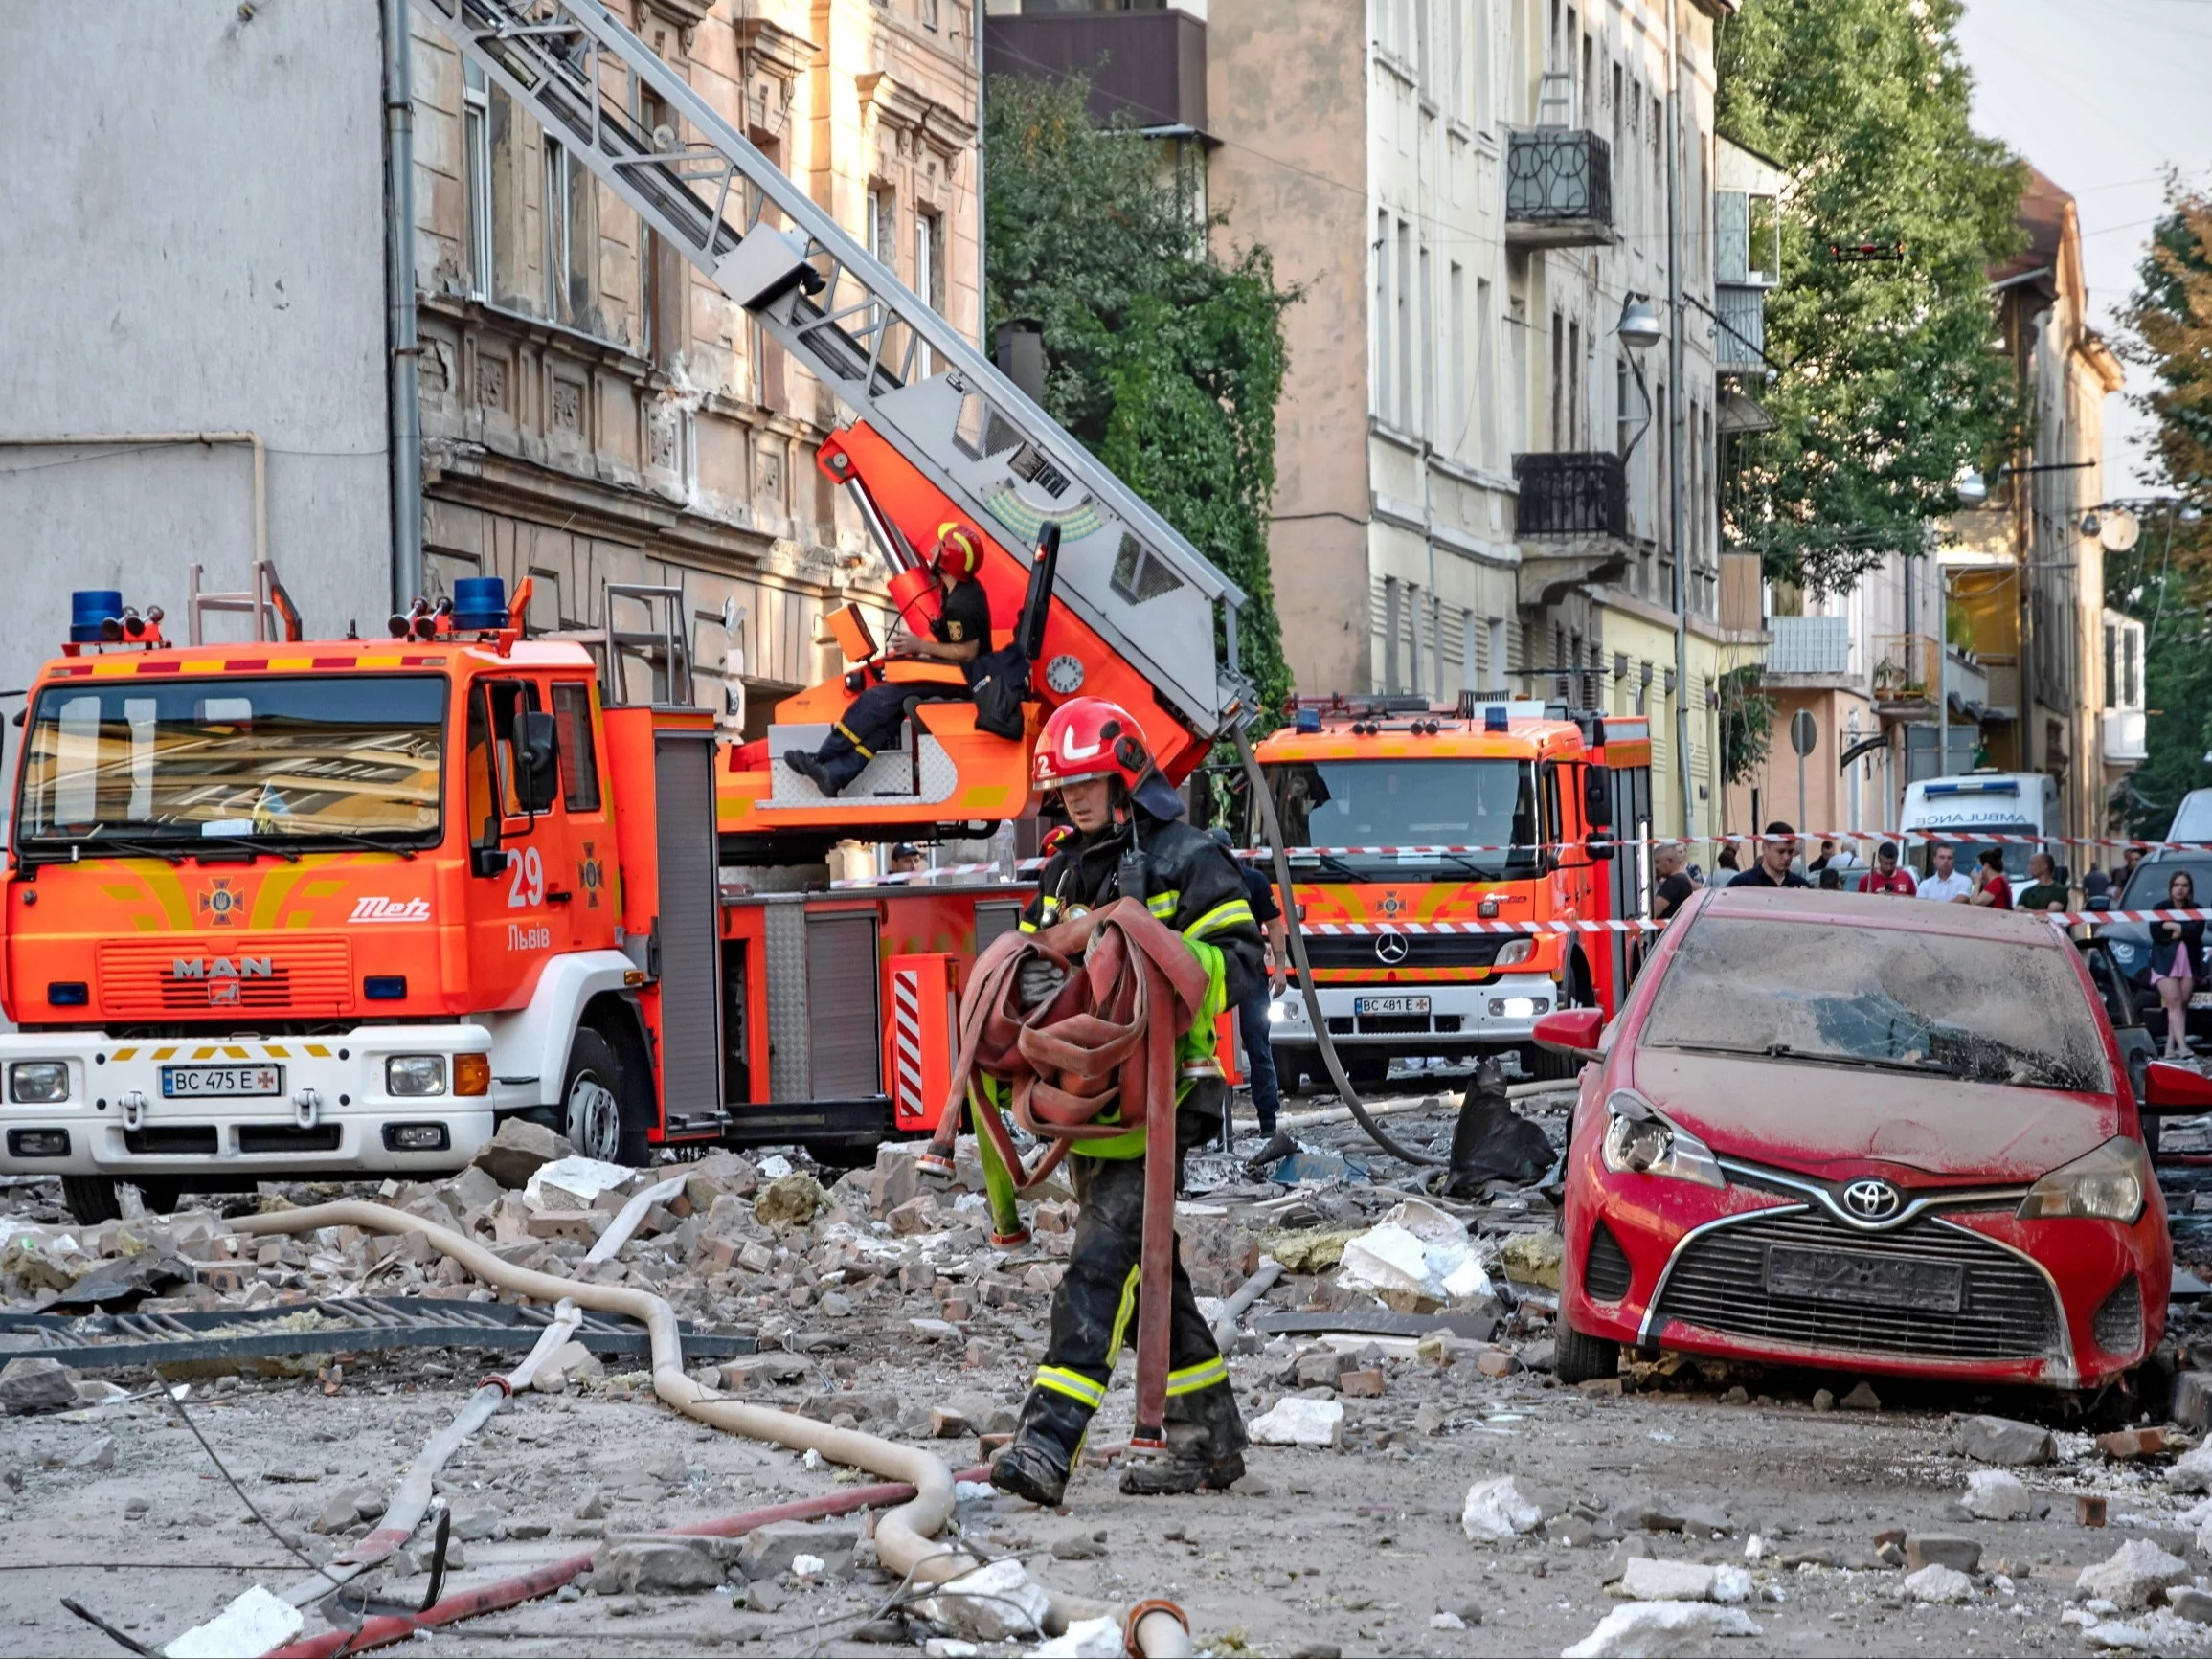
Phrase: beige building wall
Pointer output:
(594, 410)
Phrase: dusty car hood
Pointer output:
(1804, 1116)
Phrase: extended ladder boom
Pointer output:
(842, 313)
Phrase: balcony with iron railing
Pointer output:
(1558, 188)
(1739, 328)
(1809, 647)
(1905, 667)
(1570, 513)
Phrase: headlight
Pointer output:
(1276, 1013)
(415, 1074)
(1638, 1140)
(1515, 951)
(37, 1081)
(2108, 1185)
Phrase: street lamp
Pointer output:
(1639, 326)
(1973, 489)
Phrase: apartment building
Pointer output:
(591, 408)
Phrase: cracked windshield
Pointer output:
(1981, 1010)
(279, 757)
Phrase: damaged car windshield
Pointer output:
(1984, 1010)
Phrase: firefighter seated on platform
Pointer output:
(1093, 754)
(961, 634)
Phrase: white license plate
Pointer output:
(195, 1082)
(1389, 1005)
(2202, 999)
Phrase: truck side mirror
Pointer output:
(537, 755)
(1597, 797)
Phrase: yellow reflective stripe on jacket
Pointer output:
(1163, 905)
(1073, 1384)
(1192, 1378)
(1220, 916)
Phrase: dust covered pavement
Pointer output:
(1843, 1520)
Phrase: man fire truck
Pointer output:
(295, 907)
(1418, 836)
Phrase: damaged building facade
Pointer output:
(591, 410)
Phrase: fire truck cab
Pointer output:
(1436, 851)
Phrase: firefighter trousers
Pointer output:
(871, 722)
(1094, 1314)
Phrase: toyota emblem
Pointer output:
(1391, 947)
(1872, 1201)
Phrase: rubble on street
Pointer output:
(1420, 1483)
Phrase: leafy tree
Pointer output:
(1162, 361)
(1889, 383)
(1747, 722)
(2166, 580)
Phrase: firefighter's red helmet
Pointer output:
(1090, 737)
(959, 550)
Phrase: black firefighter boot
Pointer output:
(1205, 1443)
(1035, 1465)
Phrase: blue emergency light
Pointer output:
(1976, 786)
(479, 603)
(90, 609)
(1494, 717)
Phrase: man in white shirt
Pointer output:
(1947, 885)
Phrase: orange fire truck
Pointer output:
(298, 906)
(1435, 851)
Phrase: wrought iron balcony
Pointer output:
(1809, 645)
(1571, 493)
(1558, 188)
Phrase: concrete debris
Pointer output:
(2001, 1440)
(669, 1566)
(254, 1622)
(2192, 1470)
(1940, 1550)
(1647, 1578)
(998, 1603)
(34, 1385)
(1658, 1629)
(2193, 1604)
(576, 1183)
(1300, 1421)
(1084, 1639)
(1496, 1511)
(1862, 1397)
(1534, 1258)
(774, 1550)
(1940, 1585)
(790, 1200)
(2132, 1578)
(1994, 1496)
(520, 1150)
(1418, 1259)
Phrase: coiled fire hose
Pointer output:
(1296, 932)
(1106, 1037)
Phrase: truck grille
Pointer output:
(1422, 950)
(2005, 1310)
(193, 977)
(1395, 1025)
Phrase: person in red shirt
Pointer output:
(1887, 876)
(1990, 886)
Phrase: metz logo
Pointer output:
(377, 909)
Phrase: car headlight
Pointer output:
(37, 1081)
(2107, 1185)
(1515, 952)
(415, 1074)
(1276, 1013)
(1639, 1140)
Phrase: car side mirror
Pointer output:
(1597, 795)
(1572, 1031)
(488, 862)
(537, 754)
(1599, 847)
(2168, 1090)
(2097, 902)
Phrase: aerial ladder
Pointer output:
(1126, 609)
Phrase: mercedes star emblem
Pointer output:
(1872, 1201)
(1391, 947)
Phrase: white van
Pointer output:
(2012, 803)
(2193, 817)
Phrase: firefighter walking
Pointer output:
(1091, 753)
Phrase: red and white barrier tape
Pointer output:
(1644, 925)
(1973, 837)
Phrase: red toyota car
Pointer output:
(1867, 1134)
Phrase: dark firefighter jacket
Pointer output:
(1195, 887)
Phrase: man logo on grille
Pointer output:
(1872, 1201)
(1391, 947)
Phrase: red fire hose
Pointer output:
(1106, 1038)
(481, 1599)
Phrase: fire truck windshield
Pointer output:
(1411, 804)
(162, 763)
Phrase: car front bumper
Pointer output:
(335, 1111)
